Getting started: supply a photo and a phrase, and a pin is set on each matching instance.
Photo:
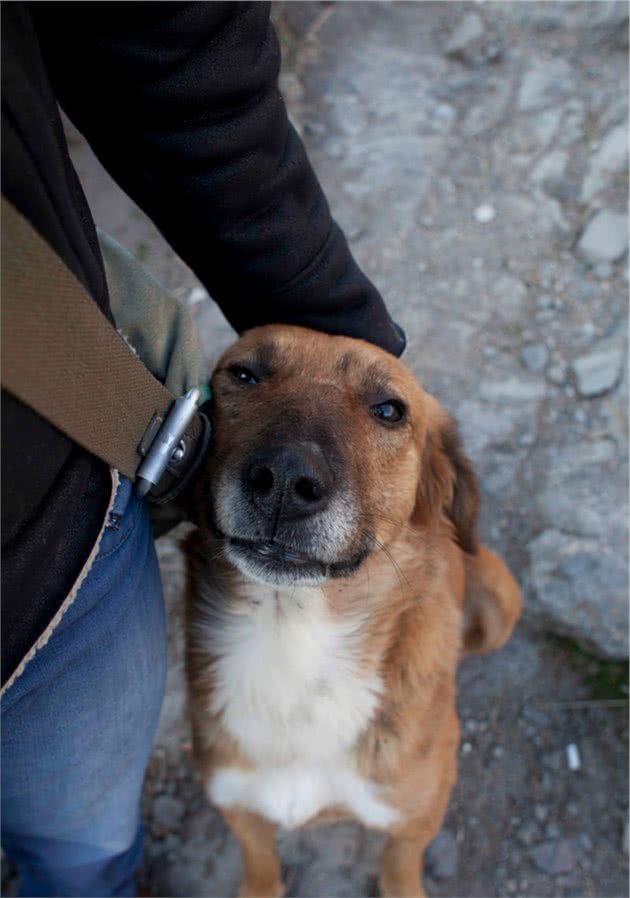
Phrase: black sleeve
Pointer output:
(180, 103)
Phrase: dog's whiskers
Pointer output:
(380, 516)
(383, 548)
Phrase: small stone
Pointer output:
(544, 302)
(602, 271)
(598, 372)
(446, 113)
(552, 830)
(585, 291)
(545, 82)
(610, 159)
(516, 858)
(513, 389)
(561, 188)
(535, 715)
(544, 125)
(580, 416)
(586, 843)
(550, 166)
(553, 760)
(466, 748)
(528, 833)
(605, 237)
(497, 751)
(484, 213)
(540, 813)
(554, 857)
(467, 32)
(167, 813)
(586, 332)
(491, 53)
(544, 315)
(441, 856)
(573, 757)
(534, 356)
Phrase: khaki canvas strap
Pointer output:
(63, 358)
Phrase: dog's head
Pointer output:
(324, 449)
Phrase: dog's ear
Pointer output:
(447, 482)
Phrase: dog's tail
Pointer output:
(492, 602)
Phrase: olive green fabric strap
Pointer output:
(63, 358)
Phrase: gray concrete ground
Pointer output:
(476, 155)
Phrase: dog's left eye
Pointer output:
(390, 412)
(243, 375)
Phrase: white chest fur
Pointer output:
(290, 690)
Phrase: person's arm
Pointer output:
(180, 103)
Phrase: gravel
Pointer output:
(441, 856)
(485, 213)
(608, 161)
(552, 165)
(534, 356)
(568, 574)
(605, 237)
(554, 857)
(544, 83)
(466, 34)
(598, 372)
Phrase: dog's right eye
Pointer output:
(242, 375)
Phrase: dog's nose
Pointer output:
(288, 482)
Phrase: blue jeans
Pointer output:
(79, 722)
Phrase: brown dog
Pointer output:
(332, 590)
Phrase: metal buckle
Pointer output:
(165, 447)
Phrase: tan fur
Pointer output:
(428, 592)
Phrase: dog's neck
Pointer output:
(300, 672)
(371, 613)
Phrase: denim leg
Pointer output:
(78, 724)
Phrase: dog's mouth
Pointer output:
(278, 563)
(272, 551)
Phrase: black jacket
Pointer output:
(180, 103)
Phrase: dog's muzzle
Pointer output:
(286, 517)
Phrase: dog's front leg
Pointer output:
(402, 862)
(401, 866)
(261, 865)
